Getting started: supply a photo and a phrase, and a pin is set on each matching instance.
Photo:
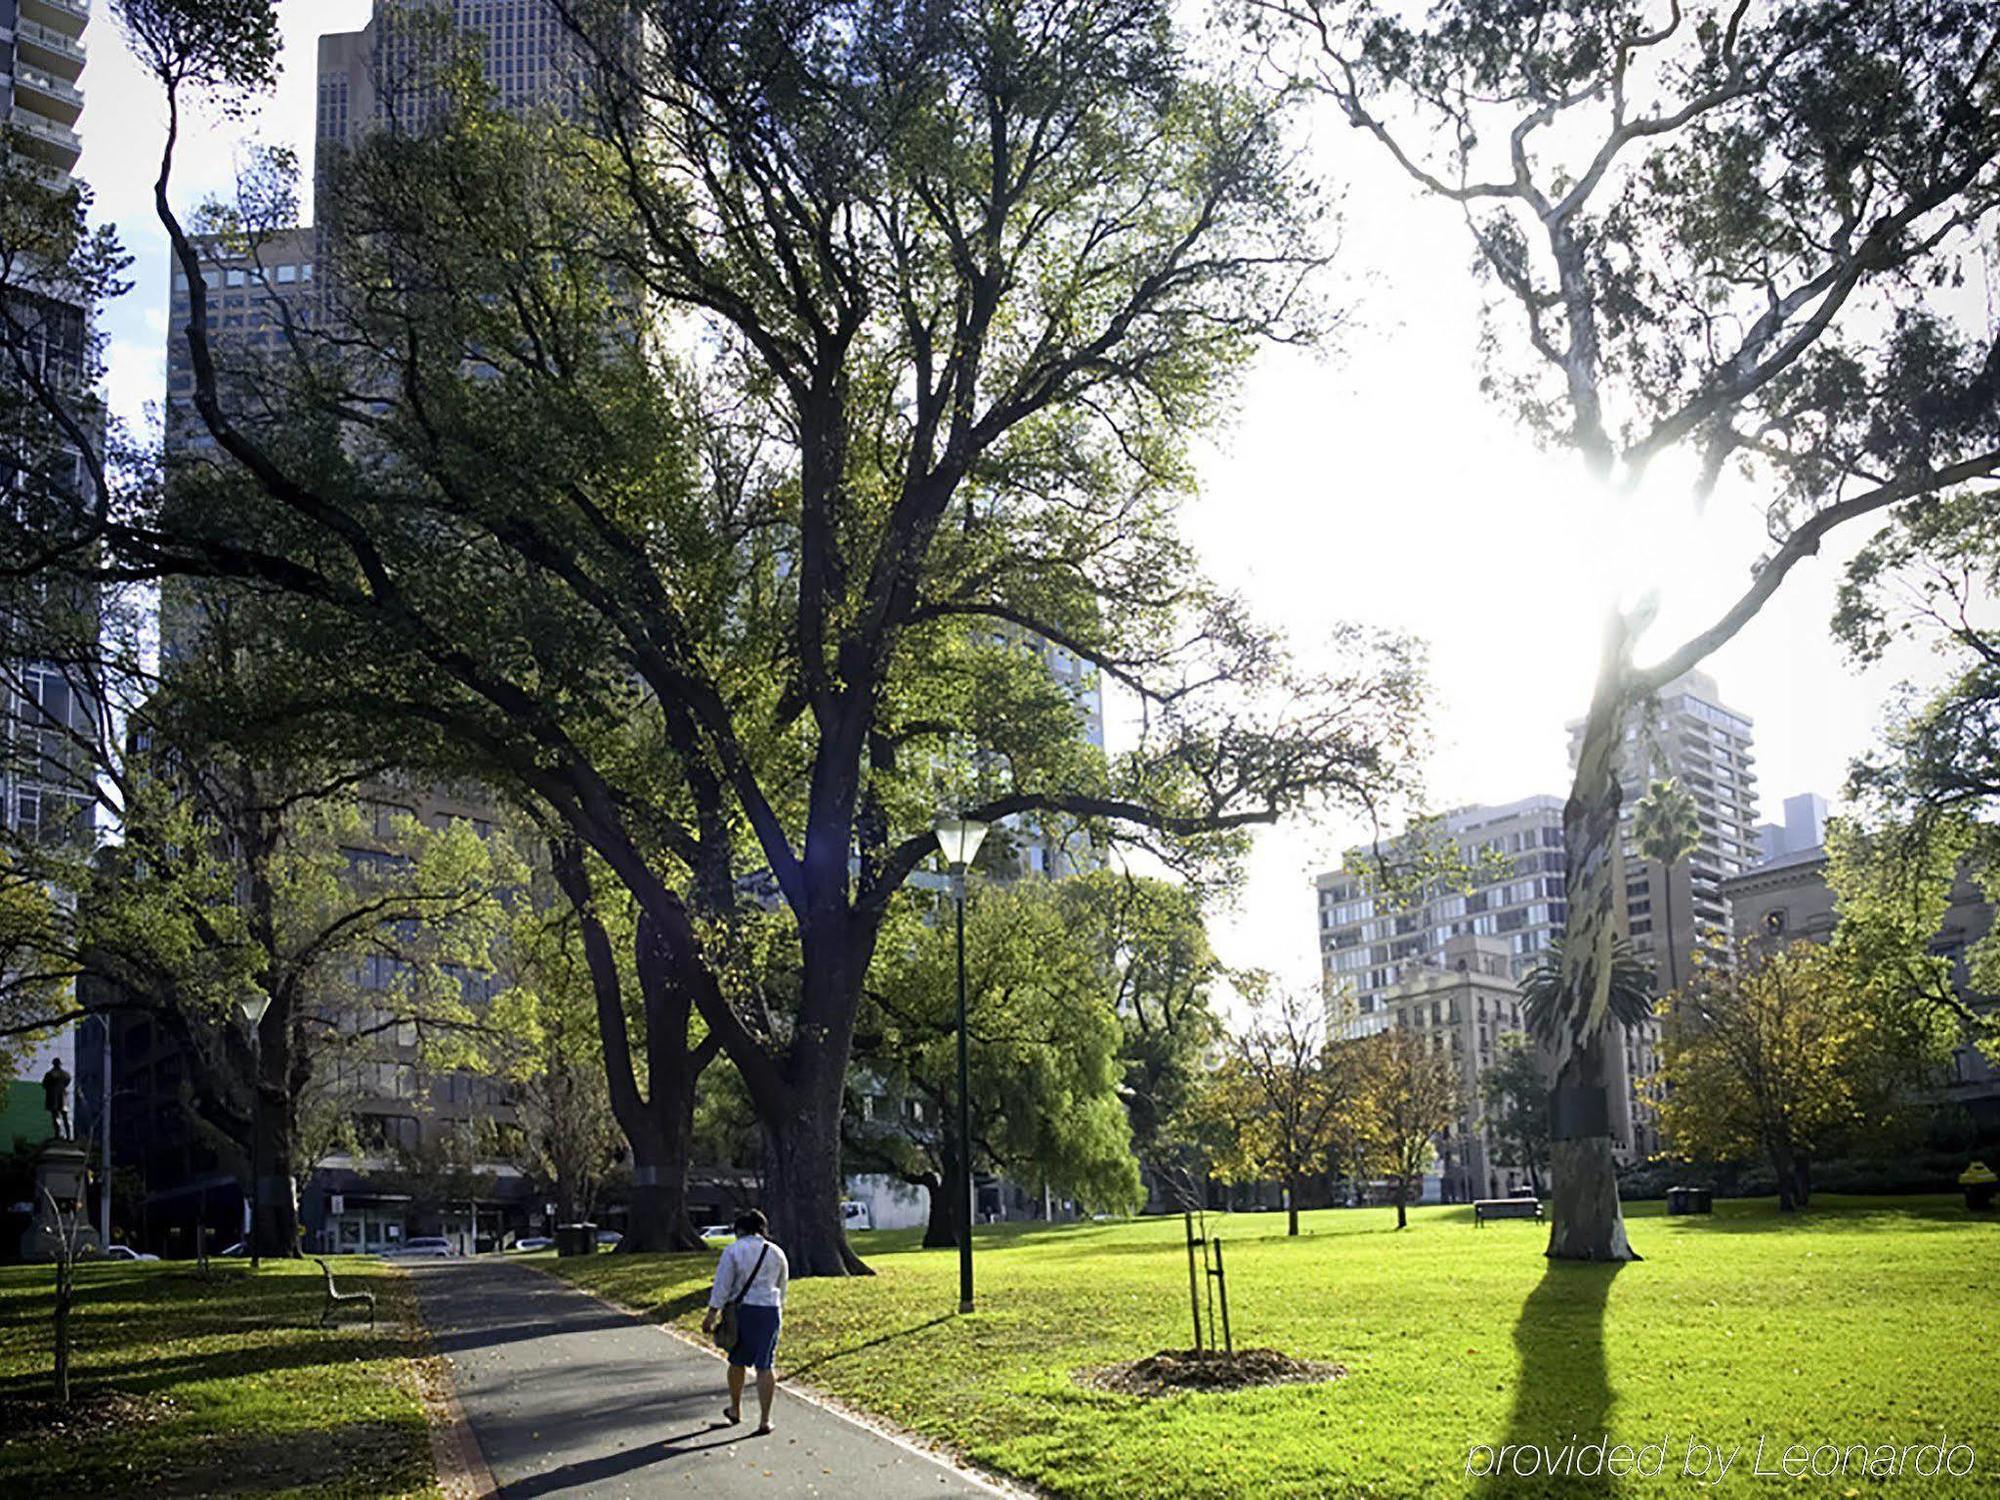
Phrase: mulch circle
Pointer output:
(1174, 1370)
(88, 1413)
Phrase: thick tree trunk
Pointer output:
(1794, 1173)
(1402, 1203)
(1585, 1220)
(803, 1186)
(659, 1218)
(275, 1223)
(658, 1126)
(1292, 1206)
(941, 1227)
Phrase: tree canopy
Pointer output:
(1722, 244)
(694, 462)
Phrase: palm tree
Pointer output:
(1544, 1000)
(1666, 825)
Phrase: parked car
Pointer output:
(533, 1242)
(855, 1215)
(126, 1252)
(426, 1246)
(610, 1237)
(717, 1231)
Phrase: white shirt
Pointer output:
(767, 1287)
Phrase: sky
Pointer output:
(1371, 482)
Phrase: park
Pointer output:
(1871, 1324)
(944, 747)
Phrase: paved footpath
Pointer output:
(570, 1397)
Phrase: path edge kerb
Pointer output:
(461, 1468)
(1003, 1485)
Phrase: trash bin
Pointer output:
(1700, 1200)
(1979, 1183)
(576, 1239)
(1677, 1200)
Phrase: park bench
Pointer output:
(1504, 1208)
(336, 1298)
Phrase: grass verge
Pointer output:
(221, 1387)
(1867, 1321)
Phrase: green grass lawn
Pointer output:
(1866, 1321)
(226, 1387)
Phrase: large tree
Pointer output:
(693, 466)
(1722, 241)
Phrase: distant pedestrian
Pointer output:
(750, 1282)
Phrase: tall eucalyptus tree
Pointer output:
(1721, 240)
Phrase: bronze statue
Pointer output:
(55, 1098)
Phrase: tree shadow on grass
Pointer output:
(171, 1457)
(162, 1374)
(880, 1339)
(1562, 1390)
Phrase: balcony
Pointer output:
(58, 15)
(39, 169)
(47, 94)
(45, 47)
(47, 142)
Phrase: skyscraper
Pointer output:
(41, 99)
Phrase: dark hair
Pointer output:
(752, 1221)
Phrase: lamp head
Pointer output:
(959, 840)
(253, 1006)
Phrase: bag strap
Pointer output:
(750, 1280)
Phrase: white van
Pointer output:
(855, 1216)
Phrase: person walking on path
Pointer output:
(751, 1279)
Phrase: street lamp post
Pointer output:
(253, 1007)
(958, 840)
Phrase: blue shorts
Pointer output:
(756, 1336)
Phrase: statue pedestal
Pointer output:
(60, 1173)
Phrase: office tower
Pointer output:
(263, 289)
(260, 288)
(1514, 851)
(1804, 828)
(380, 76)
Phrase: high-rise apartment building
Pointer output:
(42, 53)
(1690, 735)
(1369, 943)
(41, 99)
(41, 94)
